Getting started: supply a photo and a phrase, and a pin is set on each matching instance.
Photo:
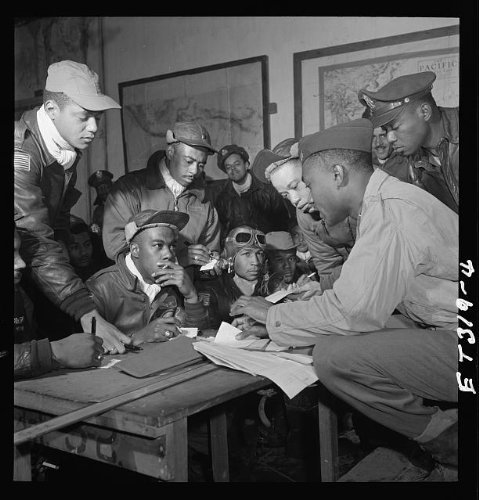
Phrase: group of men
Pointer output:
(382, 240)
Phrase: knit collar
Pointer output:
(242, 188)
(63, 153)
(174, 186)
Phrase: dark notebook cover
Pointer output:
(160, 357)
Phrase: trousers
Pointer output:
(387, 374)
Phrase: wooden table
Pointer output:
(148, 435)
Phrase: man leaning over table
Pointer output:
(49, 141)
(405, 258)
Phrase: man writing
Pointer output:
(34, 357)
(49, 141)
(171, 181)
(405, 258)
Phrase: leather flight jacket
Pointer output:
(43, 195)
(437, 174)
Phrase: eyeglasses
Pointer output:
(246, 237)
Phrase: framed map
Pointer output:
(327, 81)
(230, 100)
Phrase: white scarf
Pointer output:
(242, 188)
(63, 153)
(150, 290)
(247, 287)
(175, 187)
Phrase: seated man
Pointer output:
(35, 357)
(244, 248)
(146, 294)
(302, 250)
(243, 199)
(283, 268)
(405, 258)
(85, 249)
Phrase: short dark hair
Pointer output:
(358, 160)
(59, 97)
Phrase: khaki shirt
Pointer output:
(405, 257)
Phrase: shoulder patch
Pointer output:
(21, 160)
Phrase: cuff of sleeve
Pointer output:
(78, 304)
(197, 307)
(42, 359)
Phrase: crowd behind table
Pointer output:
(361, 219)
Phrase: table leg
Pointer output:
(22, 463)
(328, 442)
(180, 446)
(219, 446)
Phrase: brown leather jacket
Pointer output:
(422, 169)
(120, 300)
(43, 196)
(146, 189)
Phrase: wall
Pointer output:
(42, 42)
(138, 47)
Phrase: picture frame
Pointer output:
(326, 81)
(230, 99)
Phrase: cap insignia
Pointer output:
(369, 101)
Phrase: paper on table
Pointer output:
(210, 265)
(189, 332)
(226, 336)
(110, 363)
(290, 376)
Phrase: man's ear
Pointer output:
(134, 250)
(340, 175)
(52, 109)
(170, 151)
(425, 111)
(248, 166)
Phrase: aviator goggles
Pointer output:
(245, 237)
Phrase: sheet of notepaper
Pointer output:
(226, 335)
(209, 266)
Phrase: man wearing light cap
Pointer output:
(405, 258)
(172, 180)
(49, 141)
(147, 294)
(427, 134)
(244, 199)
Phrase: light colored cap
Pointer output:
(80, 83)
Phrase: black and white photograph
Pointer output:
(239, 252)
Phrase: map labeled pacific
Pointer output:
(340, 86)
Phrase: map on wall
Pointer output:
(228, 101)
(340, 85)
(327, 80)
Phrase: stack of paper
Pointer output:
(291, 376)
(290, 371)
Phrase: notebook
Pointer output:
(160, 357)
